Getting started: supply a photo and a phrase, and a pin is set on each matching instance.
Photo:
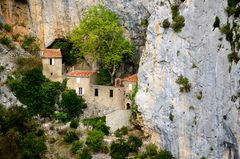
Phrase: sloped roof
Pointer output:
(81, 73)
(132, 78)
(51, 53)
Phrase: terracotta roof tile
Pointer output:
(81, 73)
(50, 53)
(132, 78)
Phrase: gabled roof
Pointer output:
(132, 78)
(51, 53)
(81, 73)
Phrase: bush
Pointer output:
(134, 143)
(74, 123)
(103, 77)
(171, 116)
(121, 132)
(178, 24)
(8, 27)
(70, 137)
(226, 29)
(119, 149)
(166, 24)
(144, 22)
(165, 154)
(84, 154)
(26, 64)
(97, 123)
(72, 104)
(151, 150)
(29, 44)
(95, 140)
(216, 24)
(15, 37)
(76, 146)
(61, 116)
(233, 57)
(175, 11)
(6, 41)
(185, 85)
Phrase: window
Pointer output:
(78, 80)
(80, 91)
(51, 61)
(96, 92)
(111, 93)
(130, 87)
(51, 74)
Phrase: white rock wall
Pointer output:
(198, 128)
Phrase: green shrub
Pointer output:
(175, 11)
(70, 137)
(134, 143)
(171, 116)
(185, 85)
(95, 140)
(2, 68)
(216, 24)
(8, 27)
(178, 24)
(1, 25)
(61, 116)
(97, 123)
(29, 44)
(26, 64)
(76, 146)
(119, 149)
(74, 123)
(151, 150)
(199, 95)
(144, 22)
(15, 37)
(164, 154)
(84, 154)
(121, 131)
(166, 24)
(6, 41)
(72, 104)
(233, 57)
(226, 29)
(103, 77)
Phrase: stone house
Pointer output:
(84, 83)
(52, 64)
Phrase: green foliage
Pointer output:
(134, 143)
(171, 116)
(8, 27)
(2, 68)
(121, 131)
(178, 24)
(76, 146)
(68, 56)
(216, 24)
(7, 42)
(165, 154)
(97, 123)
(134, 107)
(185, 85)
(15, 37)
(151, 150)
(178, 20)
(99, 37)
(29, 44)
(233, 57)
(33, 146)
(166, 24)
(70, 137)
(61, 116)
(84, 154)
(26, 64)
(199, 95)
(95, 140)
(144, 22)
(20, 135)
(72, 104)
(233, 8)
(226, 29)
(103, 77)
(74, 123)
(33, 85)
(119, 149)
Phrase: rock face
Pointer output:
(202, 122)
(205, 121)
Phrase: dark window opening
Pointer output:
(96, 92)
(111, 93)
(51, 74)
(51, 61)
(128, 106)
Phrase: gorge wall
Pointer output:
(189, 126)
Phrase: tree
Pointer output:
(99, 37)
(95, 140)
(72, 103)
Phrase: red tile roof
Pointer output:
(51, 53)
(132, 78)
(81, 73)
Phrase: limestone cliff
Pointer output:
(205, 121)
(202, 122)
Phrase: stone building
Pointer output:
(84, 83)
(52, 64)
